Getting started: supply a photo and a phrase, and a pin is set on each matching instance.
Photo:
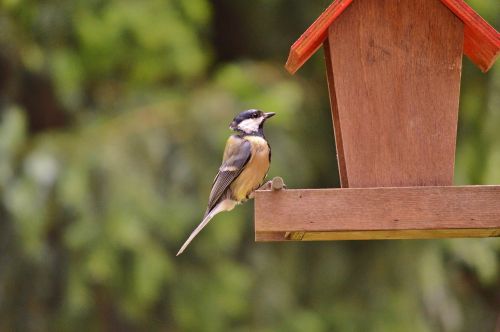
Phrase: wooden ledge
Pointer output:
(377, 213)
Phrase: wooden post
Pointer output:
(393, 70)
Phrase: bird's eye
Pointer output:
(255, 115)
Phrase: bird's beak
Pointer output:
(269, 115)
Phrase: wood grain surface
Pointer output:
(397, 88)
(314, 36)
(335, 117)
(481, 40)
(377, 213)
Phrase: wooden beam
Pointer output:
(481, 40)
(396, 92)
(337, 131)
(313, 37)
(377, 213)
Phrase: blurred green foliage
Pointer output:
(114, 116)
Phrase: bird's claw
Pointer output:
(266, 186)
(276, 183)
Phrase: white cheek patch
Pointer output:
(250, 125)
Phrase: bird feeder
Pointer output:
(393, 71)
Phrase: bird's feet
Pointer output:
(266, 186)
(276, 183)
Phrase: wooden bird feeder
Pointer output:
(393, 70)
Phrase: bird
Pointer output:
(245, 163)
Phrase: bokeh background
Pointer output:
(113, 119)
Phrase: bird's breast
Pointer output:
(255, 170)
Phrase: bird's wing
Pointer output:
(236, 155)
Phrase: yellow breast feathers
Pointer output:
(255, 170)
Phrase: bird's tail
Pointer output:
(218, 208)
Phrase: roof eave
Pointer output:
(481, 40)
(311, 39)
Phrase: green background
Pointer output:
(113, 119)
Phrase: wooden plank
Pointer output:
(314, 36)
(335, 117)
(481, 45)
(397, 89)
(411, 234)
(481, 40)
(377, 235)
(377, 213)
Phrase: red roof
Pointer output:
(481, 40)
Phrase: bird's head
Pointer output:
(250, 121)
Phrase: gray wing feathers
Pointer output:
(237, 156)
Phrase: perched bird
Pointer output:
(245, 163)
